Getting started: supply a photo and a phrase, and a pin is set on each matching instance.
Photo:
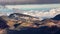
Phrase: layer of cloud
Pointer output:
(41, 12)
(44, 14)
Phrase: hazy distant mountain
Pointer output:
(57, 17)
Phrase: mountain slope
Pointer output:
(57, 17)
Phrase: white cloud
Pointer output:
(48, 14)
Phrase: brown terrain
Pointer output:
(18, 21)
(21, 20)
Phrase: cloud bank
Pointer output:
(44, 14)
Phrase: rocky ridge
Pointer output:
(17, 21)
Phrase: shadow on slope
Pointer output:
(41, 30)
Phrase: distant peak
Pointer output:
(57, 17)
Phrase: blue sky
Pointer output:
(16, 2)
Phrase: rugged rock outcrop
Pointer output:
(26, 24)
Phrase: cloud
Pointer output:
(42, 14)
(28, 1)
